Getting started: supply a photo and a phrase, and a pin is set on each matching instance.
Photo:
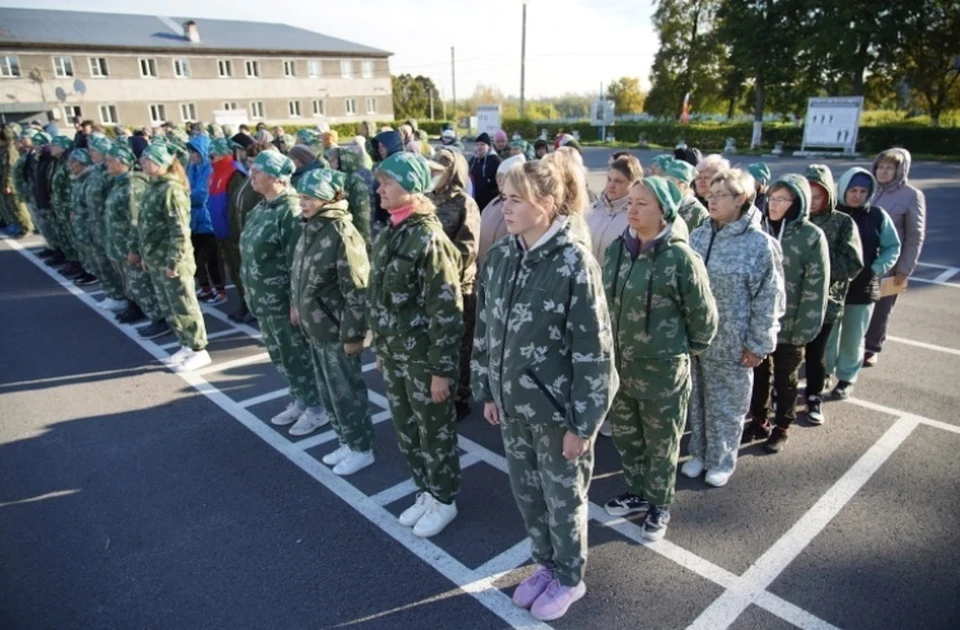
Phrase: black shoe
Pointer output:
(626, 504)
(46, 252)
(870, 359)
(655, 525)
(154, 330)
(205, 294)
(776, 441)
(756, 430)
(814, 411)
(56, 260)
(72, 269)
(85, 280)
(239, 315)
(842, 391)
(132, 315)
(463, 409)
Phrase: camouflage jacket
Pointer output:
(78, 207)
(746, 278)
(269, 238)
(460, 217)
(661, 310)
(61, 188)
(164, 225)
(543, 347)
(21, 187)
(846, 257)
(414, 304)
(328, 280)
(98, 185)
(692, 212)
(8, 158)
(358, 197)
(122, 210)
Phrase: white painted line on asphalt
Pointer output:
(726, 608)
(924, 345)
(369, 367)
(216, 335)
(41, 497)
(505, 562)
(223, 317)
(382, 416)
(315, 440)
(262, 398)
(890, 411)
(408, 487)
(940, 284)
(932, 266)
(260, 357)
(792, 613)
(946, 275)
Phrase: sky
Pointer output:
(572, 45)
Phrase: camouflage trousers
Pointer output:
(718, 406)
(426, 431)
(64, 234)
(551, 493)
(343, 394)
(178, 301)
(290, 353)
(139, 288)
(229, 251)
(647, 432)
(95, 261)
(41, 218)
(15, 212)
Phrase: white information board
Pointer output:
(832, 123)
(488, 119)
(602, 113)
(233, 117)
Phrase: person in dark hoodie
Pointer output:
(846, 261)
(209, 266)
(483, 171)
(387, 143)
(44, 165)
(806, 274)
(881, 247)
(139, 142)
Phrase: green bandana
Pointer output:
(42, 138)
(101, 144)
(121, 153)
(760, 172)
(308, 137)
(661, 160)
(349, 161)
(222, 146)
(409, 170)
(667, 194)
(274, 164)
(81, 156)
(63, 142)
(680, 170)
(160, 154)
(322, 184)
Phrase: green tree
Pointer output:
(411, 97)
(626, 95)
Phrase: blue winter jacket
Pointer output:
(199, 177)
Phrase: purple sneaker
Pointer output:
(554, 602)
(531, 588)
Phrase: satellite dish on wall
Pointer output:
(61, 94)
(79, 87)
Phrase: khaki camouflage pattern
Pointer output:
(357, 191)
(78, 220)
(12, 209)
(343, 393)
(85, 221)
(460, 217)
(19, 203)
(845, 255)
(267, 243)
(692, 212)
(290, 353)
(61, 186)
(96, 189)
(718, 405)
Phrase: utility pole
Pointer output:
(523, 63)
(431, 104)
(453, 79)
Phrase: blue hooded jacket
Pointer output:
(199, 177)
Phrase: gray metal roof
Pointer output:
(125, 31)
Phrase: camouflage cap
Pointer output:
(81, 156)
(42, 138)
(410, 170)
(160, 153)
(222, 146)
(667, 194)
(760, 172)
(274, 164)
(679, 170)
(122, 153)
(64, 142)
(100, 143)
(322, 184)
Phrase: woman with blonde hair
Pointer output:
(543, 367)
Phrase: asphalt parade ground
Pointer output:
(133, 497)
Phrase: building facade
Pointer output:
(164, 69)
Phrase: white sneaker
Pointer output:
(308, 423)
(606, 429)
(692, 469)
(195, 361)
(179, 356)
(412, 514)
(113, 305)
(334, 458)
(288, 416)
(353, 462)
(716, 478)
(438, 516)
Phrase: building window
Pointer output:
(188, 111)
(289, 68)
(71, 111)
(225, 66)
(351, 105)
(158, 114)
(181, 68)
(371, 106)
(9, 66)
(108, 114)
(366, 69)
(98, 67)
(63, 66)
(253, 68)
(230, 106)
(148, 67)
(317, 107)
(314, 68)
(293, 108)
(256, 110)
(346, 69)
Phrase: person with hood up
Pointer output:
(304, 161)
(358, 184)
(449, 139)
(209, 266)
(706, 169)
(607, 218)
(520, 146)
(388, 143)
(167, 254)
(745, 268)
(658, 165)
(60, 185)
(483, 171)
(881, 248)
(681, 173)
(368, 130)
(761, 175)
(242, 200)
(846, 262)
(12, 203)
(493, 227)
(907, 208)
(543, 367)
(328, 301)
(225, 180)
(416, 314)
(663, 313)
(127, 190)
(95, 191)
(270, 235)
(806, 275)
(460, 218)
(540, 149)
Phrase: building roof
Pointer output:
(81, 29)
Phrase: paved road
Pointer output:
(133, 497)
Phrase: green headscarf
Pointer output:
(160, 153)
(662, 160)
(63, 142)
(322, 184)
(409, 170)
(100, 143)
(222, 146)
(760, 172)
(667, 194)
(122, 153)
(42, 138)
(308, 137)
(678, 169)
(81, 156)
(274, 164)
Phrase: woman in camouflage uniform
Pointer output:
(543, 367)
(416, 314)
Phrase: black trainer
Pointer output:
(814, 410)
(86, 280)
(655, 525)
(776, 441)
(626, 504)
(46, 252)
(842, 391)
(56, 260)
(239, 315)
(156, 329)
(132, 315)
(756, 430)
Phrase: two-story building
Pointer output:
(140, 70)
